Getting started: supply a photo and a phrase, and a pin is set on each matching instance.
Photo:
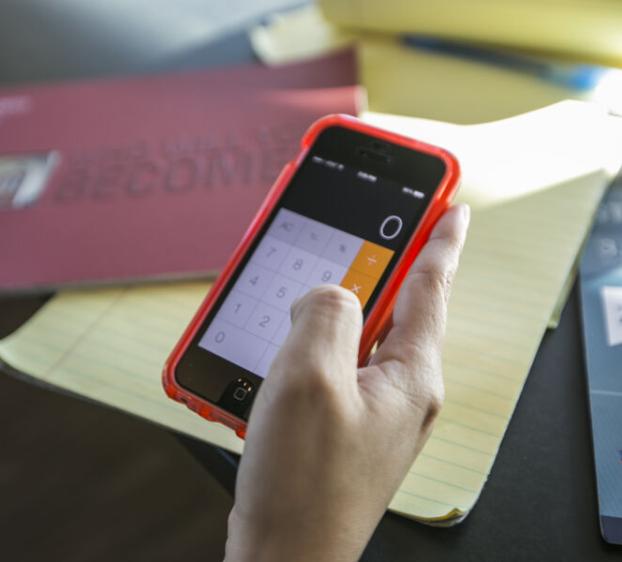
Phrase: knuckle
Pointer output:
(431, 402)
(434, 405)
(314, 386)
(438, 281)
(425, 401)
(320, 386)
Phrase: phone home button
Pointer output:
(238, 397)
(240, 393)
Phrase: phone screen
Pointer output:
(296, 254)
(344, 219)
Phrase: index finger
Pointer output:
(421, 308)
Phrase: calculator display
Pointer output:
(296, 254)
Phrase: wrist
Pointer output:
(255, 543)
(250, 539)
(281, 541)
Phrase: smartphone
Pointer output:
(353, 208)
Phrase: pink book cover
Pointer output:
(153, 177)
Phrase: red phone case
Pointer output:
(379, 317)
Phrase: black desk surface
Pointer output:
(540, 501)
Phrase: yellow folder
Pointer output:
(590, 30)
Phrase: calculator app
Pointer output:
(296, 254)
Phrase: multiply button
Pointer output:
(361, 285)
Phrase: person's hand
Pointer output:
(328, 443)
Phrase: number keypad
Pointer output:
(296, 254)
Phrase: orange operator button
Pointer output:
(372, 259)
(361, 285)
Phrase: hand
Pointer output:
(328, 444)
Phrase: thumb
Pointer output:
(420, 312)
(323, 343)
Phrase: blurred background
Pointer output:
(43, 40)
(78, 481)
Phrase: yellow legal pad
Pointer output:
(534, 182)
